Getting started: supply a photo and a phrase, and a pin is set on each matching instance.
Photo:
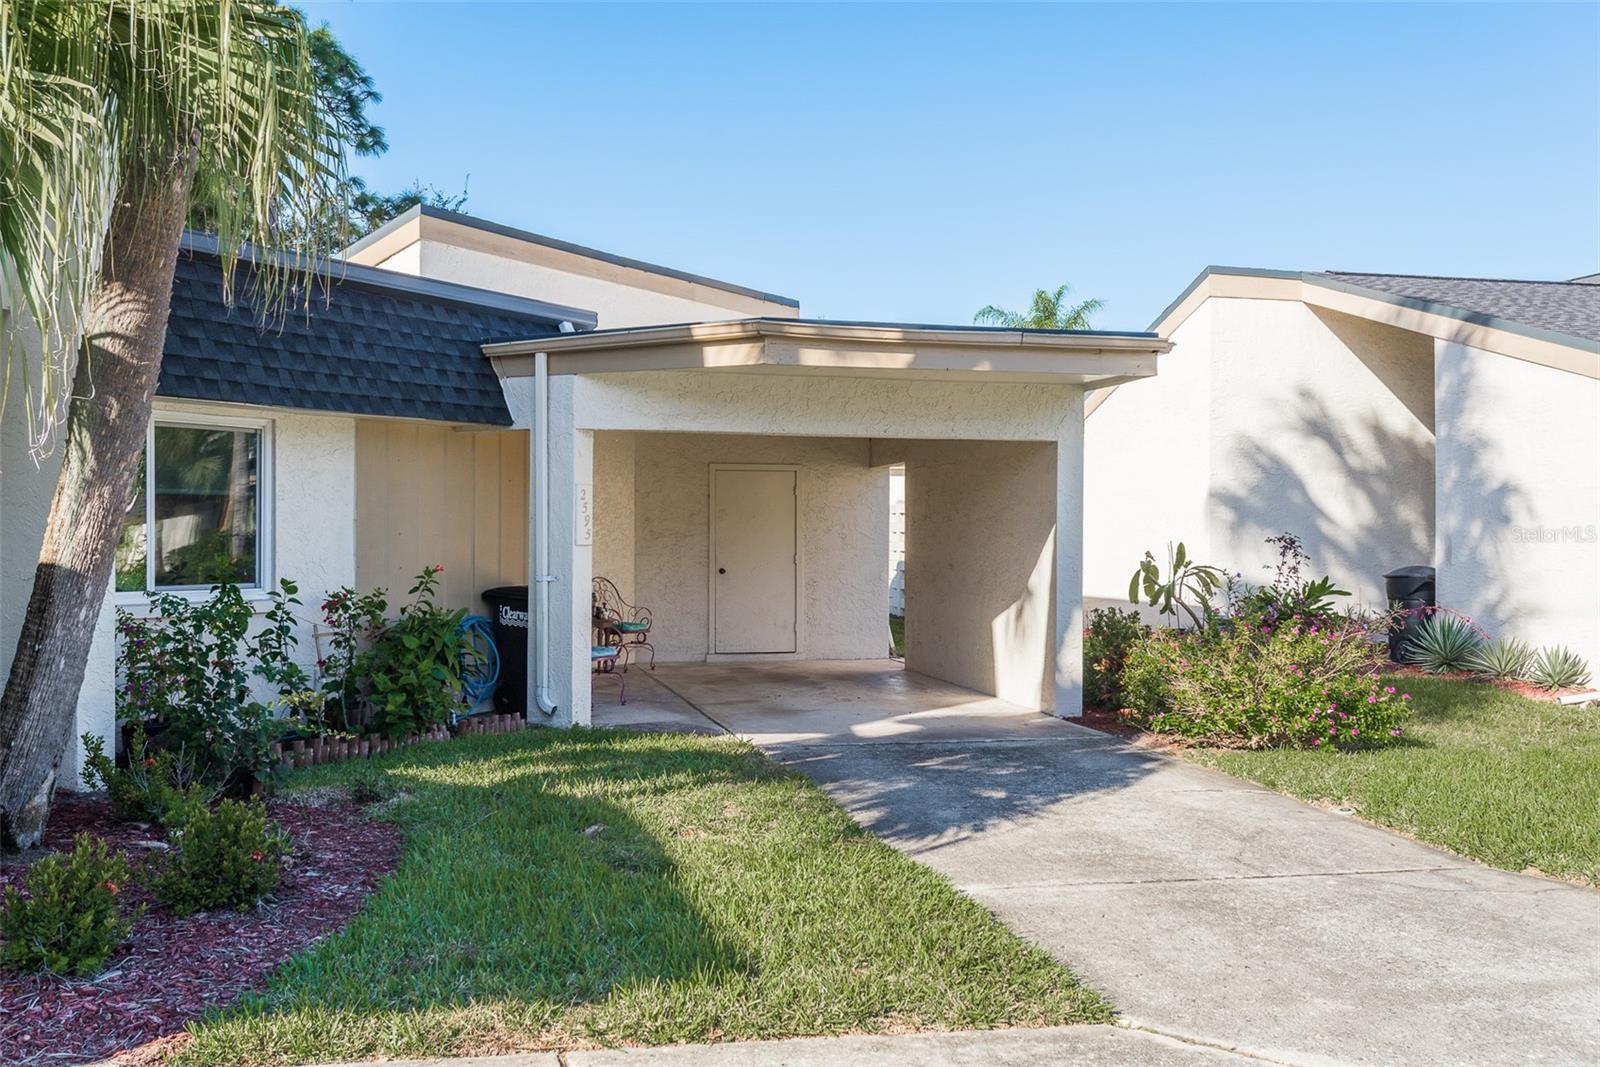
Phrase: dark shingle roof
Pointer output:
(379, 343)
(1571, 308)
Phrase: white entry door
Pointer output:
(753, 559)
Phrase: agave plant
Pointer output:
(1558, 667)
(1502, 659)
(1443, 642)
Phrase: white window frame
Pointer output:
(194, 420)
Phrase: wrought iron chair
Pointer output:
(603, 660)
(621, 625)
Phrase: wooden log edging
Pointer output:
(314, 751)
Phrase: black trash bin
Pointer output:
(1409, 589)
(508, 614)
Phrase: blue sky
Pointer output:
(914, 163)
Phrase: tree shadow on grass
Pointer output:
(524, 882)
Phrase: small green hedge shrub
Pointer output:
(1302, 684)
(223, 857)
(69, 921)
(1110, 634)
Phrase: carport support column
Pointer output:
(1069, 561)
(571, 556)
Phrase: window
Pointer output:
(195, 510)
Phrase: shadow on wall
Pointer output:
(1371, 506)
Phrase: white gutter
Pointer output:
(541, 532)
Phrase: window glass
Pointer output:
(133, 547)
(205, 501)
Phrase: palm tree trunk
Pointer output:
(112, 388)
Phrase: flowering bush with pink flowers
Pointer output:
(1300, 682)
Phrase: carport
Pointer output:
(733, 477)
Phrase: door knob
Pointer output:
(722, 570)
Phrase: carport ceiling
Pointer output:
(835, 349)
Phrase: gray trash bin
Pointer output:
(1409, 589)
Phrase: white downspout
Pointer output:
(541, 532)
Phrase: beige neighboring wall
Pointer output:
(621, 294)
(1269, 416)
(1519, 497)
(432, 493)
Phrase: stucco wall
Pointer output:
(843, 519)
(615, 463)
(1268, 416)
(1519, 497)
(619, 296)
(431, 493)
(884, 417)
(980, 566)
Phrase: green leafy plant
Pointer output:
(1502, 659)
(1299, 684)
(185, 673)
(1110, 634)
(353, 623)
(1187, 585)
(413, 667)
(228, 856)
(69, 920)
(1558, 667)
(153, 787)
(1442, 642)
(1290, 594)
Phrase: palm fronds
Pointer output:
(1047, 311)
(96, 97)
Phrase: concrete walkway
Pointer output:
(1081, 1046)
(1204, 907)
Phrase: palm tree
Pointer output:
(1047, 312)
(116, 116)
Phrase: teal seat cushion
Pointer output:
(632, 627)
(601, 652)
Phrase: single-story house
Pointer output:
(476, 396)
(1386, 419)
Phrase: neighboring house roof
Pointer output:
(375, 342)
(1554, 324)
(1569, 307)
(426, 211)
(1586, 279)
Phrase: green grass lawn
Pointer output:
(1507, 780)
(897, 634)
(727, 898)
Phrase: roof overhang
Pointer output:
(1547, 348)
(883, 350)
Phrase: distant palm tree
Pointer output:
(1047, 312)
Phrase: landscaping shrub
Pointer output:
(1290, 594)
(185, 676)
(1110, 634)
(1503, 659)
(1556, 667)
(153, 787)
(413, 668)
(1444, 641)
(68, 921)
(223, 857)
(1299, 683)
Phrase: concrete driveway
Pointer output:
(1205, 908)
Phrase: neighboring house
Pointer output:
(1386, 419)
(732, 473)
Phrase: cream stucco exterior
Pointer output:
(459, 249)
(994, 561)
(1518, 540)
(1270, 416)
(1382, 433)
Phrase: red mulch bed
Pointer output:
(1525, 689)
(175, 969)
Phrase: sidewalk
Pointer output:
(1096, 1046)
